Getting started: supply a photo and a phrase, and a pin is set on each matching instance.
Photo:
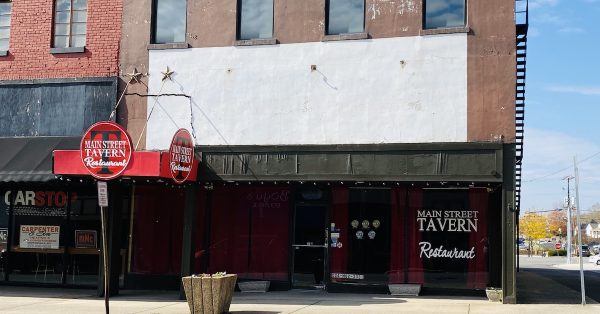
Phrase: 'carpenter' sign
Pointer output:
(181, 155)
(105, 150)
(39, 237)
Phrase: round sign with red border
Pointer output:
(557, 245)
(105, 150)
(181, 155)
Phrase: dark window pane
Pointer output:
(444, 13)
(63, 5)
(5, 8)
(4, 20)
(60, 41)
(79, 16)
(79, 28)
(256, 20)
(346, 16)
(170, 21)
(62, 17)
(61, 29)
(79, 4)
(78, 41)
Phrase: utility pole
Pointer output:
(579, 231)
(569, 231)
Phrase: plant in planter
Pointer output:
(208, 294)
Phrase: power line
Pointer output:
(561, 170)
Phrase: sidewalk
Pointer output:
(64, 301)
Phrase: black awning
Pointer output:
(29, 159)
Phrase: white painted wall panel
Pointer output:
(394, 90)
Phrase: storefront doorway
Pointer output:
(309, 246)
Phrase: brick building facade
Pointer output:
(58, 76)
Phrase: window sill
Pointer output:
(446, 30)
(255, 42)
(168, 46)
(3, 53)
(67, 50)
(346, 36)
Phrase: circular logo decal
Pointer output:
(359, 234)
(354, 224)
(371, 234)
(376, 223)
(365, 224)
(181, 155)
(105, 150)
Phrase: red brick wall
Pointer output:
(31, 39)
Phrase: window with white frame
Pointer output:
(5, 10)
(444, 13)
(345, 16)
(70, 23)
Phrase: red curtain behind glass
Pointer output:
(415, 264)
(250, 232)
(339, 216)
(397, 252)
(157, 230)
(478, 272)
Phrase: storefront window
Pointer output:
(4, 213)
(449, 238)
(249, 232)
(360, 236)
(37, 246)
(157, 230)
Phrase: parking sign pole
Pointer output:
(579, 231)
(103, 202)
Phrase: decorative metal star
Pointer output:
(134, 76)
(167, 74)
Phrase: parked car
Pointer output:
(585, 251)
(595, 259)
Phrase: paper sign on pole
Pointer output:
(102, 194)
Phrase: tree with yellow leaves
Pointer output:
(534, 227)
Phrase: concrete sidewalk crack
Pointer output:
(309, 305)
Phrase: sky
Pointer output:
(562, 106)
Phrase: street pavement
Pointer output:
(544, 285)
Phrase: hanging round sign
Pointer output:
(181, 155)
(105, 150)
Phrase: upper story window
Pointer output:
(444, 13)
(169, 23)
(5, 9)
(255, 19)
(345, 16)
(70, 23)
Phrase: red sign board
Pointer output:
(105, 150)
(557, 245)
(85, 239)
(181, 156)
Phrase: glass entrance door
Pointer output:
(309, 246)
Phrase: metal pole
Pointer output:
(105, 258)
(569, 231)
(579, 231)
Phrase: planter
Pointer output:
(254, 286)
(209, 294)
(405, 289)
(494, 294)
